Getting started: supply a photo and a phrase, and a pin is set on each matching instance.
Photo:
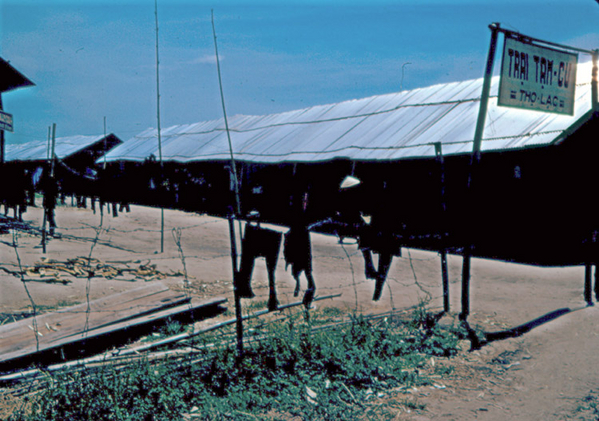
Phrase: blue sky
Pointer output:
(96, 59)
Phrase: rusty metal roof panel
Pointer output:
(394, 126)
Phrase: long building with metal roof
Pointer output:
(65, 147)
(527, 200)
(411, 150)
(394, 126)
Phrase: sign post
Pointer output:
(535, 75)
(474, 161)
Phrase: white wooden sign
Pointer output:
(537, 78)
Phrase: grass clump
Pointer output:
(588, 407)
(295, 370)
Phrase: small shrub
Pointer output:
(431, 338)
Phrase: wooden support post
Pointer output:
(474, 161)
(445, 277)
(466, 284)
(588, 295)
(238, 313)
(443, 227)
(44, 209)
(593, 258)
(595, 82)
(44, 233)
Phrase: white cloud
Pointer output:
(207, 59)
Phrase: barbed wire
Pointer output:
(15, 237)
(89, 277)
(353, 277)
(428, 294)
(347, 254)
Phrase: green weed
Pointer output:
(297, 371)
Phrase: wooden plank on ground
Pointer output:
(63, 324)
(103, 311)
(76, 310)
(107, 316)
(193, 305)
(20, 337)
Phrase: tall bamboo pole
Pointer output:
(233, 175)
(50, 179)
(158, 127)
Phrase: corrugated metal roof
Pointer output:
(38, 150)
(394, 126)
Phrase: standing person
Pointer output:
(50, 189)
(298, 250)
(22, 190)
(376, 238)
(258, 242)
(371, 220)
(29, 188)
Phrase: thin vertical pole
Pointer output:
(161, 230)
(222, 98)
(594, 82)
(588, 268)
(445, 277)
(443, 228)
(44, 219)
(105, 144)
(592, 263)
(466, 283)
(1, 137)
(49, 144)
(238, 313)
(237, 212)
(51, 149)
(588, 292)
(158, 127)
(474, 161)
(158, 85)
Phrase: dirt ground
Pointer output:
(545, 374)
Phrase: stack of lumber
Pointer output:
(140, 306)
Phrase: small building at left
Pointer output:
(10, 79)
